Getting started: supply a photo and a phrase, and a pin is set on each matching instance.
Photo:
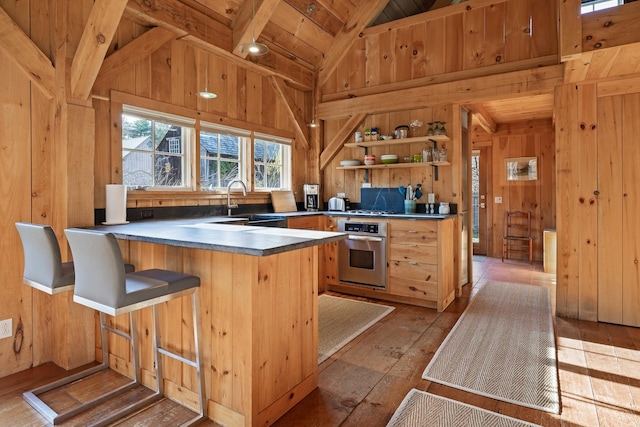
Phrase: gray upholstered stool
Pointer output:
(43, 266)
(103, 284)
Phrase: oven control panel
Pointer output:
(358, 227)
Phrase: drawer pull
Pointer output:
(413, 263)
(412, 231)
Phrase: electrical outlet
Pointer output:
(498, 199)
(146, 214)
(6, 328)
(366, 185)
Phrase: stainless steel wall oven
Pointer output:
(362, 257)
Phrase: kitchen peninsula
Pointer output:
(258, 298)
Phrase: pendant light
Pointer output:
(205, 93)
(254, 48)
(313, 123)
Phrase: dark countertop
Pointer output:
(217, 234)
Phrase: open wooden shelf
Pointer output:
(402, 141)
(396, 165)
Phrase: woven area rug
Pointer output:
(502, 347)
(422, 409)
(340, 320)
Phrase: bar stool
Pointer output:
(103, 284)
(43, 266)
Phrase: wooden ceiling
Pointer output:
(306, 38)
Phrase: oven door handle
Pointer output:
(364, 238)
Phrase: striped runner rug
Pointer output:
(340, 320)
(502, 347)
(422, 409)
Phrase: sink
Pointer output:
(260, 220)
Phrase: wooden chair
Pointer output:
(517, 234)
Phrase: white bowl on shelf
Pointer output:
(350, 162)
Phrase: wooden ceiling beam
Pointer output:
(26, 55)
(132, 53)
(365, 13)
(97, 35)
(335, 145)
(246, 26)
(483, 118)
(215, 37)
(517, 84)
(294, 113)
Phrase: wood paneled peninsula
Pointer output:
(258, 300)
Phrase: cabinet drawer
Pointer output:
(424, 232)
(413, 271)
(413, 252)
(304, 222)
(413, 289)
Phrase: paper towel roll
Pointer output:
(116, 204)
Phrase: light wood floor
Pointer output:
(363, 384)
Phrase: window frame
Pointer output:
(188, 132)
(286, 169)
(195, 122)
(243, 137)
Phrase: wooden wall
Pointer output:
(598, 192)
(167, 80)
(526, 139)
(350, 181)
(448, 41)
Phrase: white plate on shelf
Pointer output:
(350, 163)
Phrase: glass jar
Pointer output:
(430, 130)
(426, 155)
(444, 208)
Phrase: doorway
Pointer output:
(480, 167)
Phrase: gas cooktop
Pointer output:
(370, 212)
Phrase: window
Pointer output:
(595, 5)
(159, 152)
(271, 162)
(155, 149)
(221, 155)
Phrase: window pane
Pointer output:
(228, 172)
(136, 133)
(269, 161)
(209, 173)
(220, 159)
(136, 168)
(171, 141)
(259, 176)
(168, 170)
(229, 147)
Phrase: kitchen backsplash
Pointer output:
(390, 199)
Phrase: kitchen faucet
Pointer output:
(244, 193)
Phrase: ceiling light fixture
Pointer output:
(254, 48)
(205, 93)
(313, 123)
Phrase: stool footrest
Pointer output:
(31, 397)
(175, 356)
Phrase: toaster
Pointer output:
(337, 204)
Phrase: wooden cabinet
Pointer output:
(306, 222)
(421, 261)
(328, 266)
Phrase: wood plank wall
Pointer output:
(169, 79)
(597, 195)
(533, 139)
(465, 37)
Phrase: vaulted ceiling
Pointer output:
(306, 38)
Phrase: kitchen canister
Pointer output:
(444, 208)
